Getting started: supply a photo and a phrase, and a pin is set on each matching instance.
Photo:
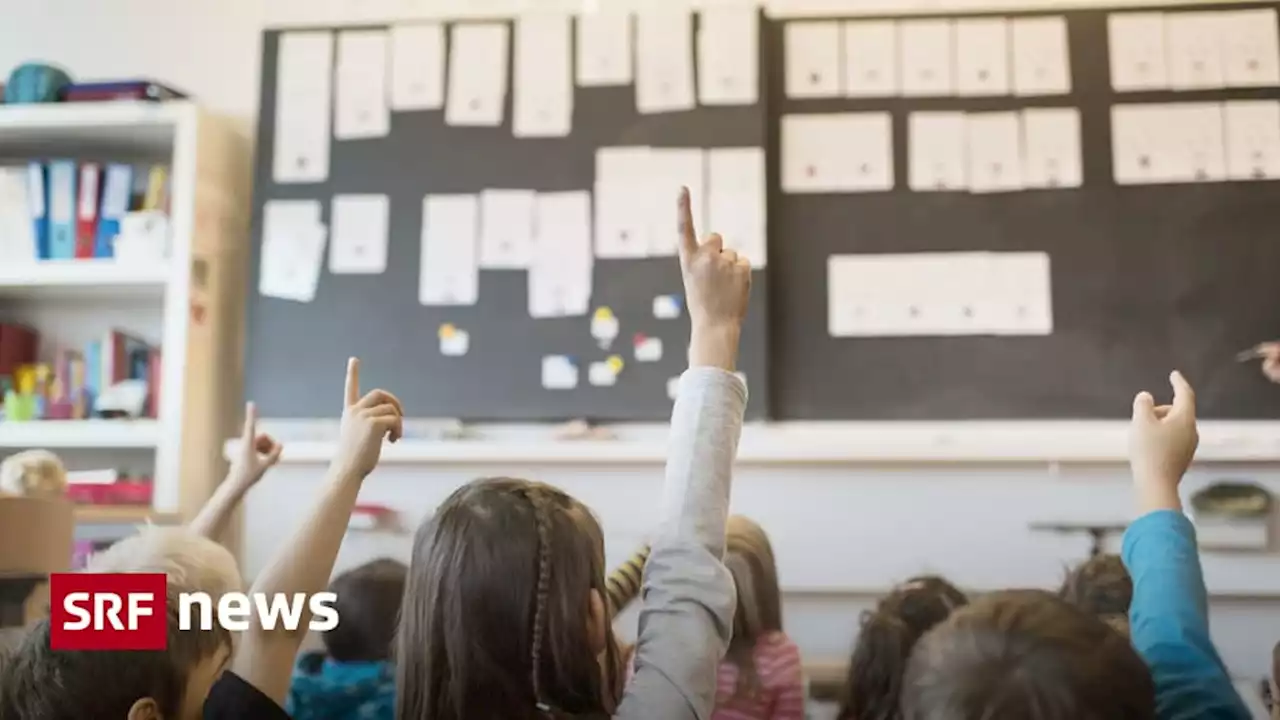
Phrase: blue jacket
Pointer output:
(1169, 621)
(324, 689)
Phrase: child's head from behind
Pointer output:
(172, 684)
(186, 558)
(1101, 586)
(885, 640)
(368, 601)
(749, 558)
(504, 613)
(1026, 654)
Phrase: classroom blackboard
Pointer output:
(1145, 279)
(297, 351)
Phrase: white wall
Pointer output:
(208, 48)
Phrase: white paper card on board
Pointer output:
(839, 152)
(621, 222)
(454, 342)
(1051, 148)
(1143, 146)
(664, 61)
(543, 89)
(736, 192)
(1253, 139)
(729, 55)
(667, 307)
(1194, 43)
(560, 275)
(601, 374)
(477, 90)
(1021, 288)
(813, 59)
(648, 349)
(417, 66)
(304, 88)
(1198, 152)
(559, 372)
(293, 241)
(449, 273)
(995, 152)
(926, 51)
(1251, 55)
(982, 57)
(506, 229)
(359, 229)
(936, 146)
(870, 58)
(1138, 56)
(604, 49)
(669, 170)
(360, 105)
(1041, 56)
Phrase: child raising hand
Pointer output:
(1168, 616)
(504, 614)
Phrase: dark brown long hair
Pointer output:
(749, 557)
(494, 623)
(885, 641)
(1026, 654)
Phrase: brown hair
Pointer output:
(1026, 654)
(368, 601)
(749, 558)
(37, 682)
(494, 622)
(885, 640)
(1100, 586)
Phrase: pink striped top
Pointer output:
(781, 695)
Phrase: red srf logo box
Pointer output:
(117, 611)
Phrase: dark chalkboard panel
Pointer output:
(296, 352)
(1145, 279)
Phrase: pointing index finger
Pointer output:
(250, 422)
(353, 382)
(1184, 396)
(688, 233)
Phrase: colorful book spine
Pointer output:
(116, 188)
(157, 189)
(62, 210)
(89, 188)
(37, 189)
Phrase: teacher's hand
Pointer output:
(1270, 354)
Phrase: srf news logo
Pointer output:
(130, 611)
(108, 612)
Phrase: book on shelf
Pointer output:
(65, 210)
(69, 387)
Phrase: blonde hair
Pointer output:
(188, 559)
(749, 558)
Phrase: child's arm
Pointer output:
(258, 453)
(623, 584)
(687, 615)
(1169, 621)
(264, 658)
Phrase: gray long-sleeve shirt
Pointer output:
(687, 614)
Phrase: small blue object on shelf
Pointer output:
(35, 83)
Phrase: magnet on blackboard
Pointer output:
(454, 342)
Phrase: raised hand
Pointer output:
(1162, 443)
(258, 453)
(366, 421)
(717, 285)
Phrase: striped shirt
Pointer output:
(781, 695)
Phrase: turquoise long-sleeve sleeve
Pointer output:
(1169, 621)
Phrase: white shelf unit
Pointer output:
(189, 303)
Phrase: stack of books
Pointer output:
(68, 389)
(64, 210)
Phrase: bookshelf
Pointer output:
(189, 303)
